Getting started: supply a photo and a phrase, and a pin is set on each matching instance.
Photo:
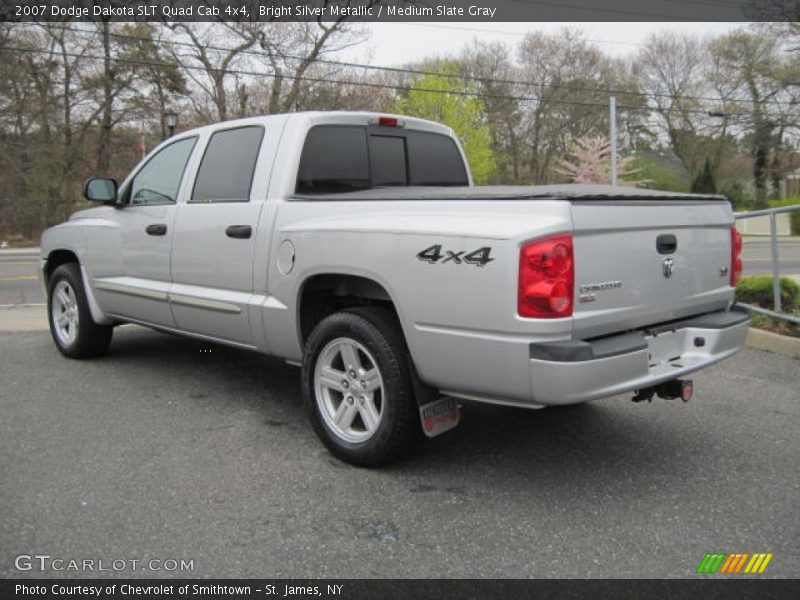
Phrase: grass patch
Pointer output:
(756, 290)
(775, 325)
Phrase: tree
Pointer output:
(704, 182)
(592, 163)
(289, 51)
(571, 81)
(445, 98)
(490, 68)
(160, 76)
(761, 79)
(673, 69)
(216, 61)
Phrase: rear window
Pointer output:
(434, 160)
(345, 158)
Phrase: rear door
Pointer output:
(639, 262)
(215, 239)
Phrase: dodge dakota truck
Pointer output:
(356, 246)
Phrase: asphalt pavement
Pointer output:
(169, 448)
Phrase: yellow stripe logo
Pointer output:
(734, 563)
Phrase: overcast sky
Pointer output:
(398, 43)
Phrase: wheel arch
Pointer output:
(61, 256)
(323, 294)
(56, 258)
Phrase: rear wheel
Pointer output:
(74, 331)
(357, 387)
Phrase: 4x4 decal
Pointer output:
(433, 254)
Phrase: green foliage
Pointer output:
(757, 289)
(464, 114)
(704, 182)
(661, 175)
(738, 195)
(794, 218)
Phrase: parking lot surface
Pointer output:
(172, 448)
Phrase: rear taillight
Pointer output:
(736, 256)
(546, 278)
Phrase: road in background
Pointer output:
(172, 448)
(19, 279)
(757, 256)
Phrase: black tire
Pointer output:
(398, 428)
(88, 339)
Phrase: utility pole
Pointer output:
(613, 137)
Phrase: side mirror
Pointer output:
(100, 189)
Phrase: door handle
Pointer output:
(666, 244)
(241, 232)
(156, 229)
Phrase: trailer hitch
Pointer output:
(677, 388)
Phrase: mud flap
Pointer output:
(439, 416)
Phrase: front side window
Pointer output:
(159, 180)
(346, 158)
(228, 166)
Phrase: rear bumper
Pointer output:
(575, 371)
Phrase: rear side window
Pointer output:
(228, 166)
(334, 159)
(434, 160)
(345, 158)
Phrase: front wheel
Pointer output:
(357, 387)
(74, 331)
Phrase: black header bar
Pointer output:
(400, 10)
(706, 587)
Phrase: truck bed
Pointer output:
(577, 192)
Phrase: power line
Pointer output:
(326, 80)
(421, 72)
(502, 32)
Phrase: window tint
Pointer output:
(345, 158)
(334, 160)
(159, 180)
(228, 165)
(434, 160)
(387, 157)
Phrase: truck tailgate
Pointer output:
(623, 281)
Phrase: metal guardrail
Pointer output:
(776, 275)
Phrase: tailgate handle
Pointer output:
(666, 243)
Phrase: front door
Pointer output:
(131, 278)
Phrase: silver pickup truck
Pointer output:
(356, 246)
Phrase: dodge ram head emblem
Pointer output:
(668, 266)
